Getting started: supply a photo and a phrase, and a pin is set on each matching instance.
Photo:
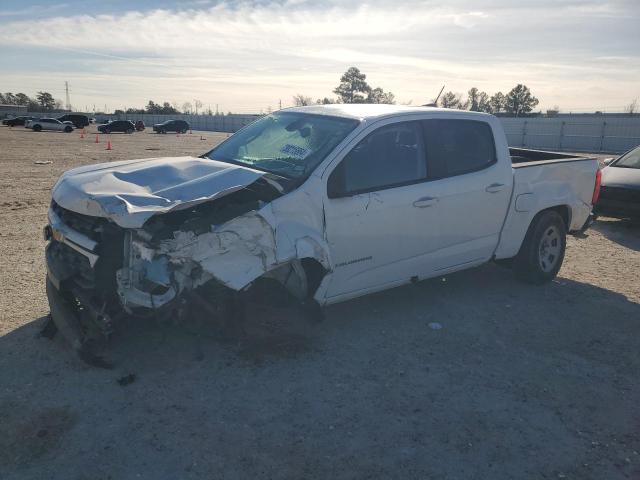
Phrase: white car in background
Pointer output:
(49, 124)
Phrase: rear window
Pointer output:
(456, 147)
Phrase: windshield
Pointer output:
(290, 144)
(630, 160)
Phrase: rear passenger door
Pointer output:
(472, 187)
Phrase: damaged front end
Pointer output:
(100, 273)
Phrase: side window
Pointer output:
(455, 147)
(390, 156)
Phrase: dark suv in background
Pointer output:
(79, 121)
(14, 122)
(178, 126)
(124, 126)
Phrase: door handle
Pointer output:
(425, 202)
(494, 187)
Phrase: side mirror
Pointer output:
(608, 161)
(336, 187)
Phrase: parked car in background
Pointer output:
(79, 121)
(620, 188)
(140, 126)
(122, 126)
(49, 124)
(17, 121)
(178, 126)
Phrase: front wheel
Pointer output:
(37, 128)
(129, 131)
(68, 129)
(542, 251)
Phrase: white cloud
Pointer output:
(248, 55)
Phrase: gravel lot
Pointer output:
(520, 382)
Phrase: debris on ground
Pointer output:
(43, 162)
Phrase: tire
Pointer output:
(107, 130)
(129, 131)
(542, 251)
(68, 129)
(37, 128)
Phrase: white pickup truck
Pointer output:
(326, 202)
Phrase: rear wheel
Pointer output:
(68, 129)
(129, 131)
(542, 251)
(37, 128)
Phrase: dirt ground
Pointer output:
(519, 382)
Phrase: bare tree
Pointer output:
(187, 107)
(632, 108)
(300, 100)
(198, 105)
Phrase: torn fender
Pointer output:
(247, 247)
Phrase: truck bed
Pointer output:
(524, 157)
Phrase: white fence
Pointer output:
(578, 133)
(215, 123)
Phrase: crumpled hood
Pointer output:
(132, 191)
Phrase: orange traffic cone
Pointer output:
(97, 138)
(109, 145)
(83, 131)
(82, 134)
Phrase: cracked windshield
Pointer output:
(289, 144)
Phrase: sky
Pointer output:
(248, 56)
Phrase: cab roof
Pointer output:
(362, 111)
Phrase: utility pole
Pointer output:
(66, 89)
(280, 104)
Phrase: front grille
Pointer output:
(620, 194)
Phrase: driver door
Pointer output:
(380, 217)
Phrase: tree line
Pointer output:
(166, 108)
(517, 102)
(353, 88)
(43, 102)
